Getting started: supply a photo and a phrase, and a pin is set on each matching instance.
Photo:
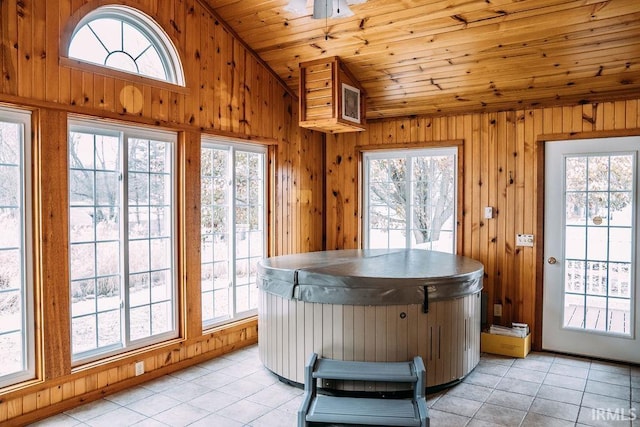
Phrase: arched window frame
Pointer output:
(146, 26)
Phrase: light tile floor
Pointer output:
(236, 390)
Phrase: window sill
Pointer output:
(128, 356)
(212, 329)
(20, 386)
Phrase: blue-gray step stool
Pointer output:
(317, 408)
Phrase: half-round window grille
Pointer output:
(125, 39)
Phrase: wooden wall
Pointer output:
(500, 170)
(229, 93)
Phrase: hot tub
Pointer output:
(382, 305)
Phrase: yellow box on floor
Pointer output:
(505, 345)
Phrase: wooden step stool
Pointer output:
(317, 408)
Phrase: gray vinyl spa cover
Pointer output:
(370, 276)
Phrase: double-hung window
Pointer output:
(16, 282)
(233, 236)
(410, 199)
(122, 238)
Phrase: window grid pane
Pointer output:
(433, 200)
(249, 189)
(387, 206)
(233, 230)
(121, 250)
(215, 235)
(94, 235)
(598, 248)
(16, 337)
(150, 238)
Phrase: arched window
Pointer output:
(125, 39)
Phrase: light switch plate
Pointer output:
(524, 239)
(488, 212)
(497, 310)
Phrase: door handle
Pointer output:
(552, 260)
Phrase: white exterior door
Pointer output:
(590, 275)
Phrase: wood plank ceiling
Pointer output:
(455, 56)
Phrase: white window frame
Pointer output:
(233, 147)
(23, 118)
(407, 154)
(125, 132)
(146, 26)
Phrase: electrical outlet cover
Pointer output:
(139, 368)
(524, 239)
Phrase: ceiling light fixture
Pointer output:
(323, 9)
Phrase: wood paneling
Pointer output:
(51, 234)
(500, 170)
(457, 56)
(189, 231)
(229, 93)
(219, 69)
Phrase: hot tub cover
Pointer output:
(370, 276)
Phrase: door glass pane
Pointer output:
(118, 39)
(620, 211)
(596, 313)
(596, 278)
(576, 180)
(620, 279)
(575, 238)
(574, 281)
(598, 173)
(574, 311)
(599, 237)
(620, 243)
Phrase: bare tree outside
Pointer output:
(412, 195)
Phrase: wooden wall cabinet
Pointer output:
(331, 99)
